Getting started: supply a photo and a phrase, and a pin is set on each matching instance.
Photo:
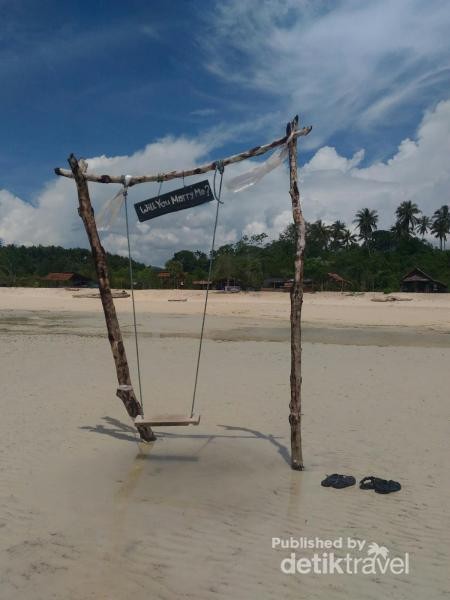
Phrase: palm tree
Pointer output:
(348, 239)
(337, 230)
(406, 215)
(366, 221)
(423, 225)
(441, 225)
(319, 234)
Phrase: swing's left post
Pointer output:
(125, 391)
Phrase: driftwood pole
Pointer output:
(296, 306)
(125, 390)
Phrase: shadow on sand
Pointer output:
(122, 431)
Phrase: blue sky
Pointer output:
(107, 78)
(111, 78)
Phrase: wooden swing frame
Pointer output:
(78, 172)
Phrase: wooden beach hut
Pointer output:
(274, 284)
(201, 284)
(68, 280)
(417, 281)
(281, 284)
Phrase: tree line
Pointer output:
(368, 257)
(27, 265)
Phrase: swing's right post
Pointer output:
(296, 305)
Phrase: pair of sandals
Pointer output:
(381, 486)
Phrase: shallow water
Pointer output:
(87, 512)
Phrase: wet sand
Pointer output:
(87, 512)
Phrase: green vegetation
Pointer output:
(25, 266)
(370, 258)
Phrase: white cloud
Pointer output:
(348, 64)
(419, 171)
(332, 187)
(328, 159)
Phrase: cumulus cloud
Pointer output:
(332, 187)
(326, 158)
(418, 171)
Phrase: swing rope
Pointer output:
(217, 195)
(219, 168)
(138, 362)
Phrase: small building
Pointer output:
(308, 285)
(418, 281)
(166, 281)
(225, 285)
(279, 284)
(274, 284)
(201, 284)
(164, 275)
(170, 280)
(68, 280)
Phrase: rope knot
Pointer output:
(127, 180)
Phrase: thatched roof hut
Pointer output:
(419, 281)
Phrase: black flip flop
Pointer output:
(381, 486)
(338, 481)
(384, 486)
(330, 480)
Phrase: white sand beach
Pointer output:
(86, 512)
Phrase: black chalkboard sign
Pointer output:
(185, 197)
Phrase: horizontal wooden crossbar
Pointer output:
(134, 180)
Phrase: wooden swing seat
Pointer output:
(167, 420)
